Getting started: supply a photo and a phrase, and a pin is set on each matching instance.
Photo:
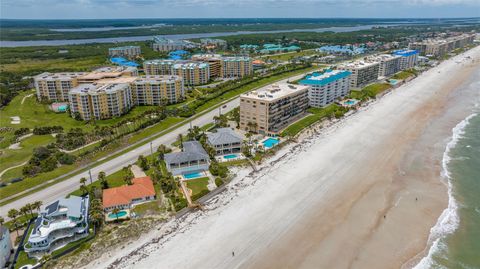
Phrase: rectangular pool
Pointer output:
(193, 175)
(270, 142)
(230, 156)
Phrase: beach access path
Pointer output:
(362, 194)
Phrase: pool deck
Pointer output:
(221, 159)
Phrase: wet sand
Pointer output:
(363, 194)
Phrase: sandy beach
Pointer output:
(362, 193)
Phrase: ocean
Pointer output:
(456, 236)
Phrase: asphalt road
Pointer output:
(63, 188)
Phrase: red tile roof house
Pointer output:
(126, 196)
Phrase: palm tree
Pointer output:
(13, 213)
(83, 181)
(180, 138)
(84, 189)
(102, 177)
(2, 221)
(38, 205)
(115, 211)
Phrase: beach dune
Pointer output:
(362, 194)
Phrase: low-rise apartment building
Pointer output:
(388, 64)
(270, 109)
(193, 73)
(126, 51)
(62, 222)
(408, 58)
(363, 72)
(55, 86)
(164, 44)
(100, 101)
(326, 87)
(236, 67)
(210, 43)
(157, 90)
(193, 158)
(225, 141)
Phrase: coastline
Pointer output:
(338, 209)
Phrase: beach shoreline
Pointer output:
(367, 186)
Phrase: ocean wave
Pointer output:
(448, 221)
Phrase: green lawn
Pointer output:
(404, 74)
(370, 91)
(147, 208)
(198, 187)
(316, 115)
(12, 157)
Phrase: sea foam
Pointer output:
(449, 220)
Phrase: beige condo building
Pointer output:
(55, 86)
(388, 64)
(158, 67)
(157, 90)
(439, 47)
(100, 101)
(192, 73)
(270, 109)
(236, 67)
(213, 60)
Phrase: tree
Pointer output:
(115, 211)
(180, 139)
(38, 205)
(236, 116)
(102, 177)
(128, 175)
(143, 163)
(13, 213)
(83, 181)
(84, 189)
(2, 221)
(24, 210)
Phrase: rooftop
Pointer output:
(358, 64)
(124, 47)
(59, 76)
(190, 65)
(192, 151)
(324, 78)
(224, 136)
(405, 53)
(275, 91)
(141, 187)
(236, 58)
(157, 79)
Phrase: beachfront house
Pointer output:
(193, 158)
(225, 141)
(125, 197)
(62, 222)
(5, 246)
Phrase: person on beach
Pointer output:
(233, 254)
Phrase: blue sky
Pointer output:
(94, 9)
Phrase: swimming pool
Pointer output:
(120, 214)
(230, 156)
(270, 142)
(193, 175)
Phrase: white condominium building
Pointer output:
(326, 87)
(193, 73)
(363, 72)
(236, 67)
(126, 51)
(408, 60)
(270, 109)
(62, 222)
(157, 90)
(388, 64)
(55, 86)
